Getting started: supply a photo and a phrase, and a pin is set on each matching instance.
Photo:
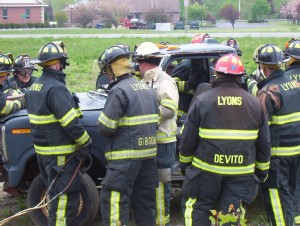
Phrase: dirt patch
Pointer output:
(10, 205)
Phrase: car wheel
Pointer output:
(87, 210)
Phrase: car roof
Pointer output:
(197, 48)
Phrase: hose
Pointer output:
(40, 205)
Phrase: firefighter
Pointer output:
(187, 77)
(292, 71)
(225, 149)
(255, 77)
(148, 56)
(199, 38)
(8, 106)
(129, 121)
(23, 78)
(57, 133)
(280, 96)
(234, 44)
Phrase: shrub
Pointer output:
(30, 25)
(37, 25)
(108, 24)
(1, 26)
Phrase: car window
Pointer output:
(184, 67)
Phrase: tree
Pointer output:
(61, 18)
(84, 14)
(271, 3)
(260, 9)
(229, 13)
(157, 15)
(197, 11)
(114, 10)
(291, 11)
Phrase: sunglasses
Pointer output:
(25, 72)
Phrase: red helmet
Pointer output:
(200, 38)
(230, 64)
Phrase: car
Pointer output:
(19, 170)
(100, 26)
(179, 25)
(194, 25)
(152, 26)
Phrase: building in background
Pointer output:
(22, 11)
(140, 8)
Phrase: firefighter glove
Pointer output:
(84, 152)
(182, 168)
(262, 178)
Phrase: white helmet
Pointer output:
(147, 50)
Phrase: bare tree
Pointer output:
(84, 14)
(157, 15)
(114, 10)
(230, 13)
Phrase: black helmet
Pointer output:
(125, 47)
(111, 54)
(5, 63)
(269, 54)
(23, 62)
(293, 48)
(52, 51)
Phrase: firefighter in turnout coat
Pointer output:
(280, 96)
(129, 121)
(57, 133)
(225, 149)
(292, 71)
(148, 57)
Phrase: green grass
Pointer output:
(278, 26)
(84, 52)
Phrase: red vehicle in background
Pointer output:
(133, 23)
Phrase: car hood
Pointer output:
(88, 101)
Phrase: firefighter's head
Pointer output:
(5, 67)
(269, 57)
(53, 53)
(148, 56)
(115, 62)
(199, 38)
(23, 67)
(292, 51)
(229, 66)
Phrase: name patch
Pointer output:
(229, 159)
(290, 85)
(230, 101)
(36, 87)
(139, 86)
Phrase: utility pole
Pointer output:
(186, 4)
(239, 9)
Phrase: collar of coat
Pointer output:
(273, 75)
(152, 74)
(58, 75)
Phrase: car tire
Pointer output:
(87, 210)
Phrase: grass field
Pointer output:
(83, 53)
(83, 71)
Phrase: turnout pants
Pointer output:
(129, 182)
(202, 192)
(279, 190)
(63, 210)
(165, 160)
(297, 201)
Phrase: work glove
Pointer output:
(84, 152)
(261, 177)
(182, 168)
